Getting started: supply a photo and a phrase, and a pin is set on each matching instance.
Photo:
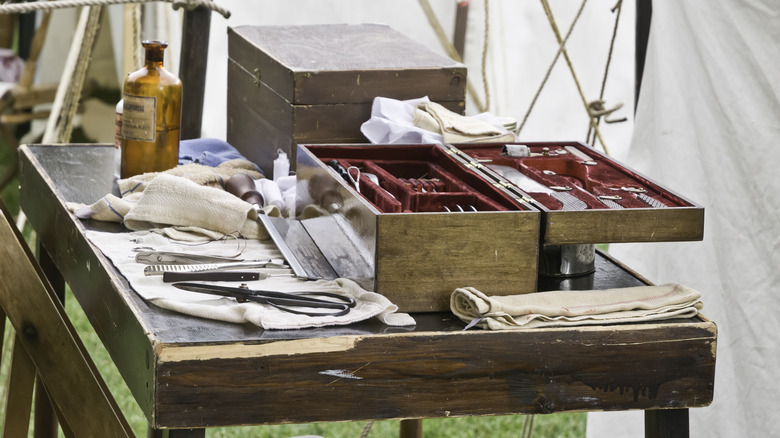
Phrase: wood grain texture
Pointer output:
(261, 120)
(52, 343)
(425, 375)
(18, 403)
(624, 225)
(422, 258)
(324, 64)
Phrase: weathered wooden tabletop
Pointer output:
(187, 372)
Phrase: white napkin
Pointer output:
(569, 308)
(118, 247)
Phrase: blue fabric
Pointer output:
(207, 151)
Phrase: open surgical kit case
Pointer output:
(426, 219)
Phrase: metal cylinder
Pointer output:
(567, 260)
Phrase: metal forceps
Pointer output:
(285, 301)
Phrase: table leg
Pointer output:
(20, 390)
(45, 420)
(411, 429)
(667, 423)
(176, 433)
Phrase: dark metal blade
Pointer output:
(171, 277)
(208, 289)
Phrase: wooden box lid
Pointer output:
(344, 63)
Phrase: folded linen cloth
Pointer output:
(118, 247)
(569, 308)
(186, 202)
(456, 128)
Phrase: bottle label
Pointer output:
(139, 118)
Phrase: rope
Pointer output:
(17, 8)
(554, 26)
(596, 108)
(452, 52)
(136, 17)
(549, 69)
(485, 40)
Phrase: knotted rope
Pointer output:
(596, 108)
(17, 8)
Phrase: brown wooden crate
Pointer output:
(341, 63)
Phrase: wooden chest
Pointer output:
(316, 83)
(434, 218)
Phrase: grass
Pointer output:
(554, 425)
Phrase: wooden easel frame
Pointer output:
(47, 340)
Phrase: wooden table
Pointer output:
(188, 373)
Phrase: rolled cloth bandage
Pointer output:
(567, 308)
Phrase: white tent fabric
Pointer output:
(708, 125)
(521, 46)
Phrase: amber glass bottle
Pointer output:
(151, 116)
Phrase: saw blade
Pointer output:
(652, 202)
(569, 201)
(610, 203)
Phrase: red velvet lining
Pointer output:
(405, 170)
(606, 178)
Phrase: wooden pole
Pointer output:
(644, 13)
(192, 71)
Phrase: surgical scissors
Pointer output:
(285, 301)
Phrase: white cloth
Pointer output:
(456, 128)
(573, 308)
(420, 121)
(708, 125)
(118, 247)
(392, 122)
(184, 202)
